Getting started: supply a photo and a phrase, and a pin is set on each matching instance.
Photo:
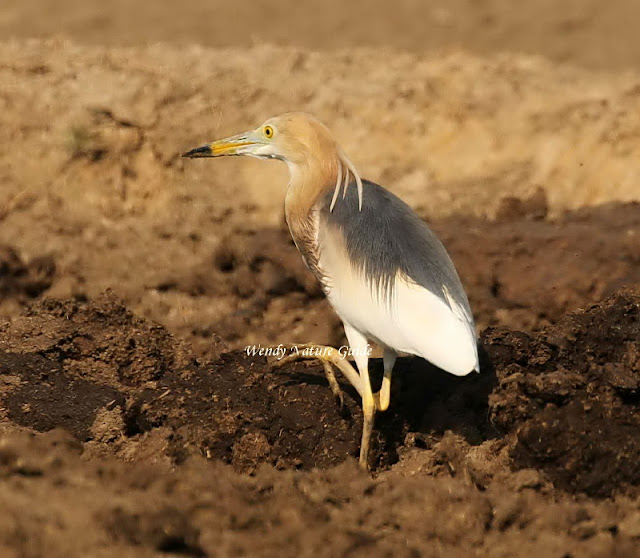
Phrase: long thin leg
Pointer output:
(329, 356)
(333, 383)
(359, 346)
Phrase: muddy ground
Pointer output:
(132, 420)
(116, 438)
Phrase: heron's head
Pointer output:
(298, 139)
(295, 138)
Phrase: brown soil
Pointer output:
(137, 443)
(196, 455)
(133, 423)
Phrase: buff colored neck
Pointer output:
(308, 182)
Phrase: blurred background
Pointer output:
(595, 33)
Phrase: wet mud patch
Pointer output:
(48, 398)
(563, 402)
(112, 378)
(102, 341)
(115, 381)
(571, 396)
(239, 411)
(428, 402)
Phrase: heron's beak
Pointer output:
(235, 145)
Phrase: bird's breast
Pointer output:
(304, 231)
(343, 285)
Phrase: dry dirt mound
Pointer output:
(496, 443)
(205, 509)
(571, 394)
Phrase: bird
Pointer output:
(383, 270)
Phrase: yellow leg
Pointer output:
(368, 418)
(329, 358)
(359, 346)
(333, 383)
(371, 402)
(383, 396)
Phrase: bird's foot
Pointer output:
(329, 357)
(333, 384)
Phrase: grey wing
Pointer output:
(387, 237)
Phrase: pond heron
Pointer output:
(383, 270)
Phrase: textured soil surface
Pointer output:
(134, 422)
(113, 436)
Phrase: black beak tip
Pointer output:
(198, 152)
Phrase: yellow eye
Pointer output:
(268, 132)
